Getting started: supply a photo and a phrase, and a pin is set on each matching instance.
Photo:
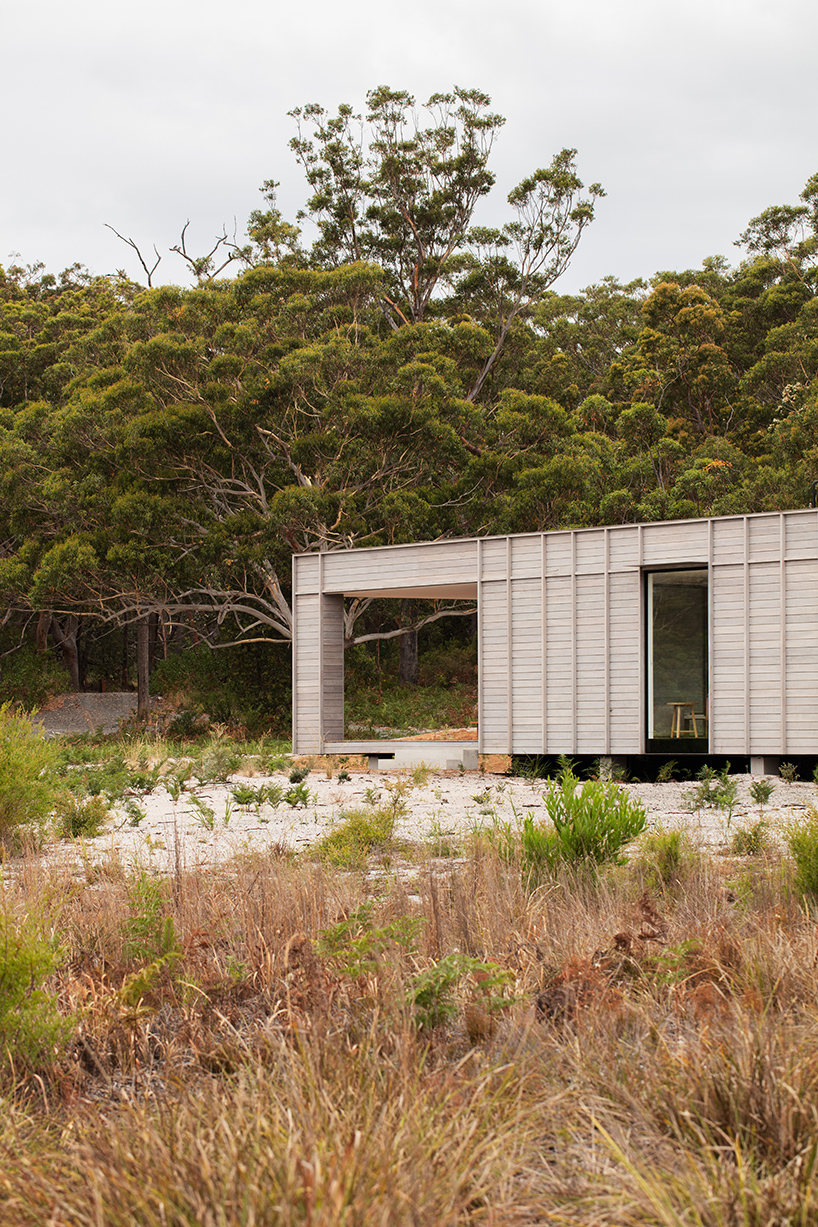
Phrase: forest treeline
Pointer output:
(407, 375)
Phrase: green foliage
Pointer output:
(592, 821)
(80, 817)
(715, 790)
(297, 794)
(27, 784)
(761, 791)
(357, 834)
(264, 794)
(431, 992)
(802, 841)
(218, 762)
(788, 772)
(32, 1030)
(150, 932)
(666, 772)
(298, 774)
(751, 840)
(357, 948)
(666, 859)
(27, 676)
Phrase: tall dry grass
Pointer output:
(228, 1064)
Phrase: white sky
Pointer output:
(694, 116)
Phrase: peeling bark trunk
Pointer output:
(408, 648)
(41, 637)
(142, 667)
(65, 637)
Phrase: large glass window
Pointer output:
(677, 658)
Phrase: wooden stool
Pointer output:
(679, 710)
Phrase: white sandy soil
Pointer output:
(442, 808)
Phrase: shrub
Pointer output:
(667, 858)
(803, 844)
(750, 841)
(77, 816)
(27, 784)
(593, 820)
(358, 833)
(31, 1028)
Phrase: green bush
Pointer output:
(80, 816)
(27, 783)
(593, 820)
(803, 844)
(32, 1030)
(667, 859)
(28, 676)
(358, 833)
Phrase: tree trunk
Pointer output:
(143, 702)
(123, 685)
(41, 637)
(408, 648)
(66, 639)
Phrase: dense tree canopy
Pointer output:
(163, 451)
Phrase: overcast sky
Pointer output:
(694, 116)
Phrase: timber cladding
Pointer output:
(562, 631)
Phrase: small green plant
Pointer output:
(419, 775)
(32, 1030)
(218, 762)
(299, 794)
(431, 993)
(80, 817)
(761, 791)
(136, 813)
(298, 774)
(372, 795)
(803, 844)
(566, 767)
(666, 859)
(27, 783)
(666, 772)
(343, 776)
(715, 790)
(750, 841)
(150, 933)
(203, 813)
(788, 772)
(357, 948)
(358, 833)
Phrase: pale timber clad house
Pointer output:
(696, 636)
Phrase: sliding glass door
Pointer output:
(678, 710)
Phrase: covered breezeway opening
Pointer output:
(423, 607)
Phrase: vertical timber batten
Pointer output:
(509, 654)
(544, 649)
(641, 669)
(573, 641)
(782, 582)
(321, 648)
(293, 658)
(480, 705)
(606, 635)
(746, 540)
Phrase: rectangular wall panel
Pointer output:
(494, 673)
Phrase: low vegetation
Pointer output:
(365, 1033)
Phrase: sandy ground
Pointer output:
(440, 811)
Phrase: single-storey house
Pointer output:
(686, 637)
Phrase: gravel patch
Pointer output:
(443, 809)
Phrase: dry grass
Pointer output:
(230, 1064)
